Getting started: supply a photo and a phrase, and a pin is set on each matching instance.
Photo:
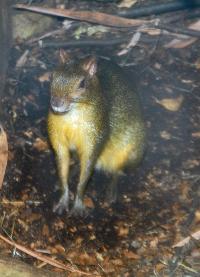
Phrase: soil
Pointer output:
(158, 203)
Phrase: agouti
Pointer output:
(95, 112)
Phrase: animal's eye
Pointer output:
(82, 84)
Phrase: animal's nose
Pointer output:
(56, 101)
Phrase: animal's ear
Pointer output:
(63, 57)
(90, 66)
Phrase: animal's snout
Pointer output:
(58, 105)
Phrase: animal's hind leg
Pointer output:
(112, 189)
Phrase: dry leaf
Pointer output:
(127, 3)
(154, 243)
(197, 64)
(133, 42)
(82, 258)
(182, 43)
(3, 154)
(165, 135)
(171, 104)
(23, 59)
(60, 249)
(178, 44)
(33, 217)
(89, 16)
(151, 31)
(23, 224)
(197, 216)
(196, 135)
(117, 262)
(195, 236)
(131, 255)
(99, 257)
(78, 240)
(40, 145)
(45, 77)
(88, 202)
(123, 231)
(45, 231)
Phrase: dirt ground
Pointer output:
(158, 203)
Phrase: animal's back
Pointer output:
(126, 141)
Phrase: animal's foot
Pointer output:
(62, 205)
(79, 209)
(111, 195)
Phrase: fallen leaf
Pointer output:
(117, 262)
(59, 225)
(178, 44)
(45, 77)
(165, 135)
(79, 240)
(89, 203)
(89, 16)
(197, 64)
(82, 258)
(184, 42)
(3, 154)
(123, 231)
(183, 242)
(133, 42)
(23, 59)
(45, 230)
(171, 104)
(33, 217)
(99, 257)
(196, 135)
(197, 216)
(60, 249)
(154, 243)
(23, 224)
(40, 145)
(131, 255)
(127, 3)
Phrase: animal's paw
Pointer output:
(111, 195)
(79, 209)
(62, 205)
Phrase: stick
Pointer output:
(151, 9)
(43, 258)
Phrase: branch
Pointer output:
(43, 258)
(151, 9)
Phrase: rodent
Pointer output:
(94, 111)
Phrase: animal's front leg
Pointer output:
(63, 160)
(111, 191)
(87, 166)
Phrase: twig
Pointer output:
(49, 34)
(43, 258)
(188, 268)
(172, 29)
(20, 203)
(159, 8)
(83, 43)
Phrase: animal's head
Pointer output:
(70, 83)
